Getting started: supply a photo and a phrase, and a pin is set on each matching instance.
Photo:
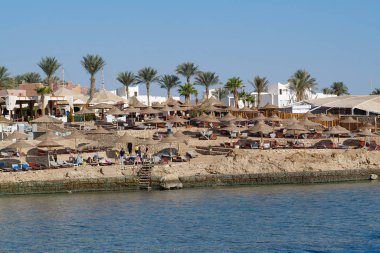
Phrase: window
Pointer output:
(135, 93)
(280, 91)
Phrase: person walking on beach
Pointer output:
(122, 155)
(55, 155)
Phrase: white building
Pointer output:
(278, 94)
(134, 91)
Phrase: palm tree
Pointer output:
(5, 78)
(42, 91)
(300, 83)
(260, 85)
(187, 69)
(339, 89)
(31, 77)
(169, 82)
(127, 79)
(220, 93)
(250, 99)
(92, 64)
(233, 85)
(327, 91)
(206, 79)
(187, 90)
(49, 66)
(243, 96)
(196, 96)
(375, 92)
(147, 75)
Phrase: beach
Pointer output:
(237, 163)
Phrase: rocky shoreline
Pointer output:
(130, 183)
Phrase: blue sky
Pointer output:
(335, 40)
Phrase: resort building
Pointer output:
(134, 91)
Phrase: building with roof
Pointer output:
(346, 105)
(135, 92)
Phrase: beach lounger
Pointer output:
(191, 154)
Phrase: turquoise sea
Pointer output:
(290, 218)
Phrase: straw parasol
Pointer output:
(126, 138)
(232, 109)
(180, 136)
(367, 125)
(270, 106)
(366, 133)
(115, 111)
(48, 144)
(131, 109)
(20, 145)
(177, 108)
(76, 135)
(245, 109)
(239, 118)
(323, 118)
(309, 124)
(310, 115)
(134, 102)
(337, 130)
(99, 131)
(155, 121)
(84, 111)
(171, 139)
(171, 101)
(49, 135)
(200, 117)
(210, 119)
(262, 128)
(187, 105)
(349, 120)
(178, 120)
(231, 127)
(260, 117)
(228, 117)
(274, 118)
(149, 110)
(102, 106)
(46, 120)
(291, 121)
(16, 135)
(166, 108)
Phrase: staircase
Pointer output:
(145, 176)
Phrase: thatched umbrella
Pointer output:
(227, 118)
(102, 106)
(48, 144)
(245, 109)
(16, 135)
(177, 120)
(231, 127)
(84, 111)
(239, 119)
(270, 106)
(149, 110)
(232, 109)
(290, 121)
(171, 139)
(76, 135)
(126, 138)
(349, 120)
(262, 128)
(186, 106)
(99, 131)
(260, 117)
(177, 108)
(131, 109)
(49, 135)
(310, 115)
(171, 102)
(115, 111)
(296, 129)
(210, 119)
(155, 121)
(337, 130)
(274, 118)
(367, 125)
(366, 133)
(20, 145)
(309, 124)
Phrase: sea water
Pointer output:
(291, 218)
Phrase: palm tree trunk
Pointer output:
(92, 89)
(148, 92)
(236, 98)
(188, 79)
(258, 99)
(187, 98)
(127, 91)
(207, 91)
(43, 105)
(169, 94)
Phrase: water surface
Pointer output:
(308, 218)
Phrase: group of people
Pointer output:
(139, 155)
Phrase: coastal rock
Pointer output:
(170, 181)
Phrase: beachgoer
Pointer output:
(130, 148)
(139, 152)
(96, 157)
(55, 155)
(89, 160)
